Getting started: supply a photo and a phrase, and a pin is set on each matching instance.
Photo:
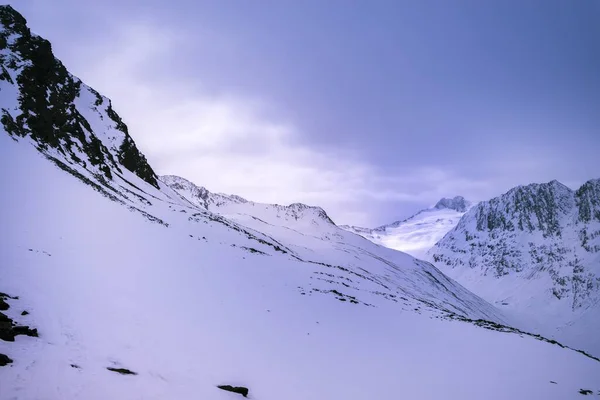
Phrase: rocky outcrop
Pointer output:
(46, 103)
(457, 203)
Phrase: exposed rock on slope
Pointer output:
(231, 205)
(458, 203)
(57, 111)
(535, 249)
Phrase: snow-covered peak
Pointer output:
(197, 195)
(235, 206)
(457, 203)
(535, 250)
(301, 208)
(174, 180)
(417, 234)
(541, 207)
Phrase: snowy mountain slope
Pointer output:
(149, 196)
(142, 280)
(107, 288)
(307, 233)
(534, 251)
(417, 234)
(296, 215)
(70, 123)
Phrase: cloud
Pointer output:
(233, 142)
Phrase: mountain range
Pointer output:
(533, 252)
(117, 283)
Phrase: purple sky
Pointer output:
(372, 110)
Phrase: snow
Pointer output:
(191, 292)
(415, 235)
(418, 234)
(98, 118)
(187, 314)
(522, 271)
(308, 234)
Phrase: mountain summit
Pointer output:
(458, 203)
(418, 233)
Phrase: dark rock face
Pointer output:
(3, 304)
(122, 371)
(47, 104)
(235, 389)
(458, 203)
(587, 198)
(4, 360)
(5, 328)
(533, 230)
(129, 155)
(527, 208)
(25, 330)
(8, 329)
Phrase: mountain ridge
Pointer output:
(217, 202)
(458, 203)
(545, 235)
(49, 106)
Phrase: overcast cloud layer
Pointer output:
(371, 111)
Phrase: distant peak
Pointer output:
(557, 184)
(299, 207)
(458, 203)
(172, 178)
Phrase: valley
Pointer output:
(140, 286)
